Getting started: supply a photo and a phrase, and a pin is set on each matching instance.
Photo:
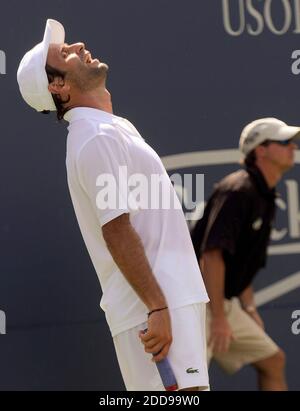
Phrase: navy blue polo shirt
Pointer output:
(238, 220)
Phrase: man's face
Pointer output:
(82, 71)
(282, 155)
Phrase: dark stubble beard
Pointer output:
(89, 78)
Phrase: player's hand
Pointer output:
(220, 335)
(158, 338)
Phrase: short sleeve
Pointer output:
(102, 167)
(226, 219)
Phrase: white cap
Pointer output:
(32, 76)
(265, 129)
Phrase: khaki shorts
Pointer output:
(250, 344)
(187, 352)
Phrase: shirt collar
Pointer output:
(79, 113)
(261, 182)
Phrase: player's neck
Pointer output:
(99, 99)
(271, 174)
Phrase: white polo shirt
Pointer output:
(101, 149)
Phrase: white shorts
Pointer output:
(187, 354)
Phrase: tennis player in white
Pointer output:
(142, 254)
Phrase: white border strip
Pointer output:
(293, 248)
(201, 158)
(277, 289)
(205, 158)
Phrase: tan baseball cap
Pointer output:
(32, 76)
(265, 129)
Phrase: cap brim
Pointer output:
(288, 133)
(54, 34)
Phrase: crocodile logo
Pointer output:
(192, 371)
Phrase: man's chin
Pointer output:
(99, 64)
(98, 69)
(104, 65)
(101, 74)
(288, 166)
(102, 68)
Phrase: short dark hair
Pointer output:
(250, 159)
(59, 104)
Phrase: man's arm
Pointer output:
(248, 304)
(128, 252)
(213, 271)
(247, 298)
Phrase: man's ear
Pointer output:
(58, 86)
